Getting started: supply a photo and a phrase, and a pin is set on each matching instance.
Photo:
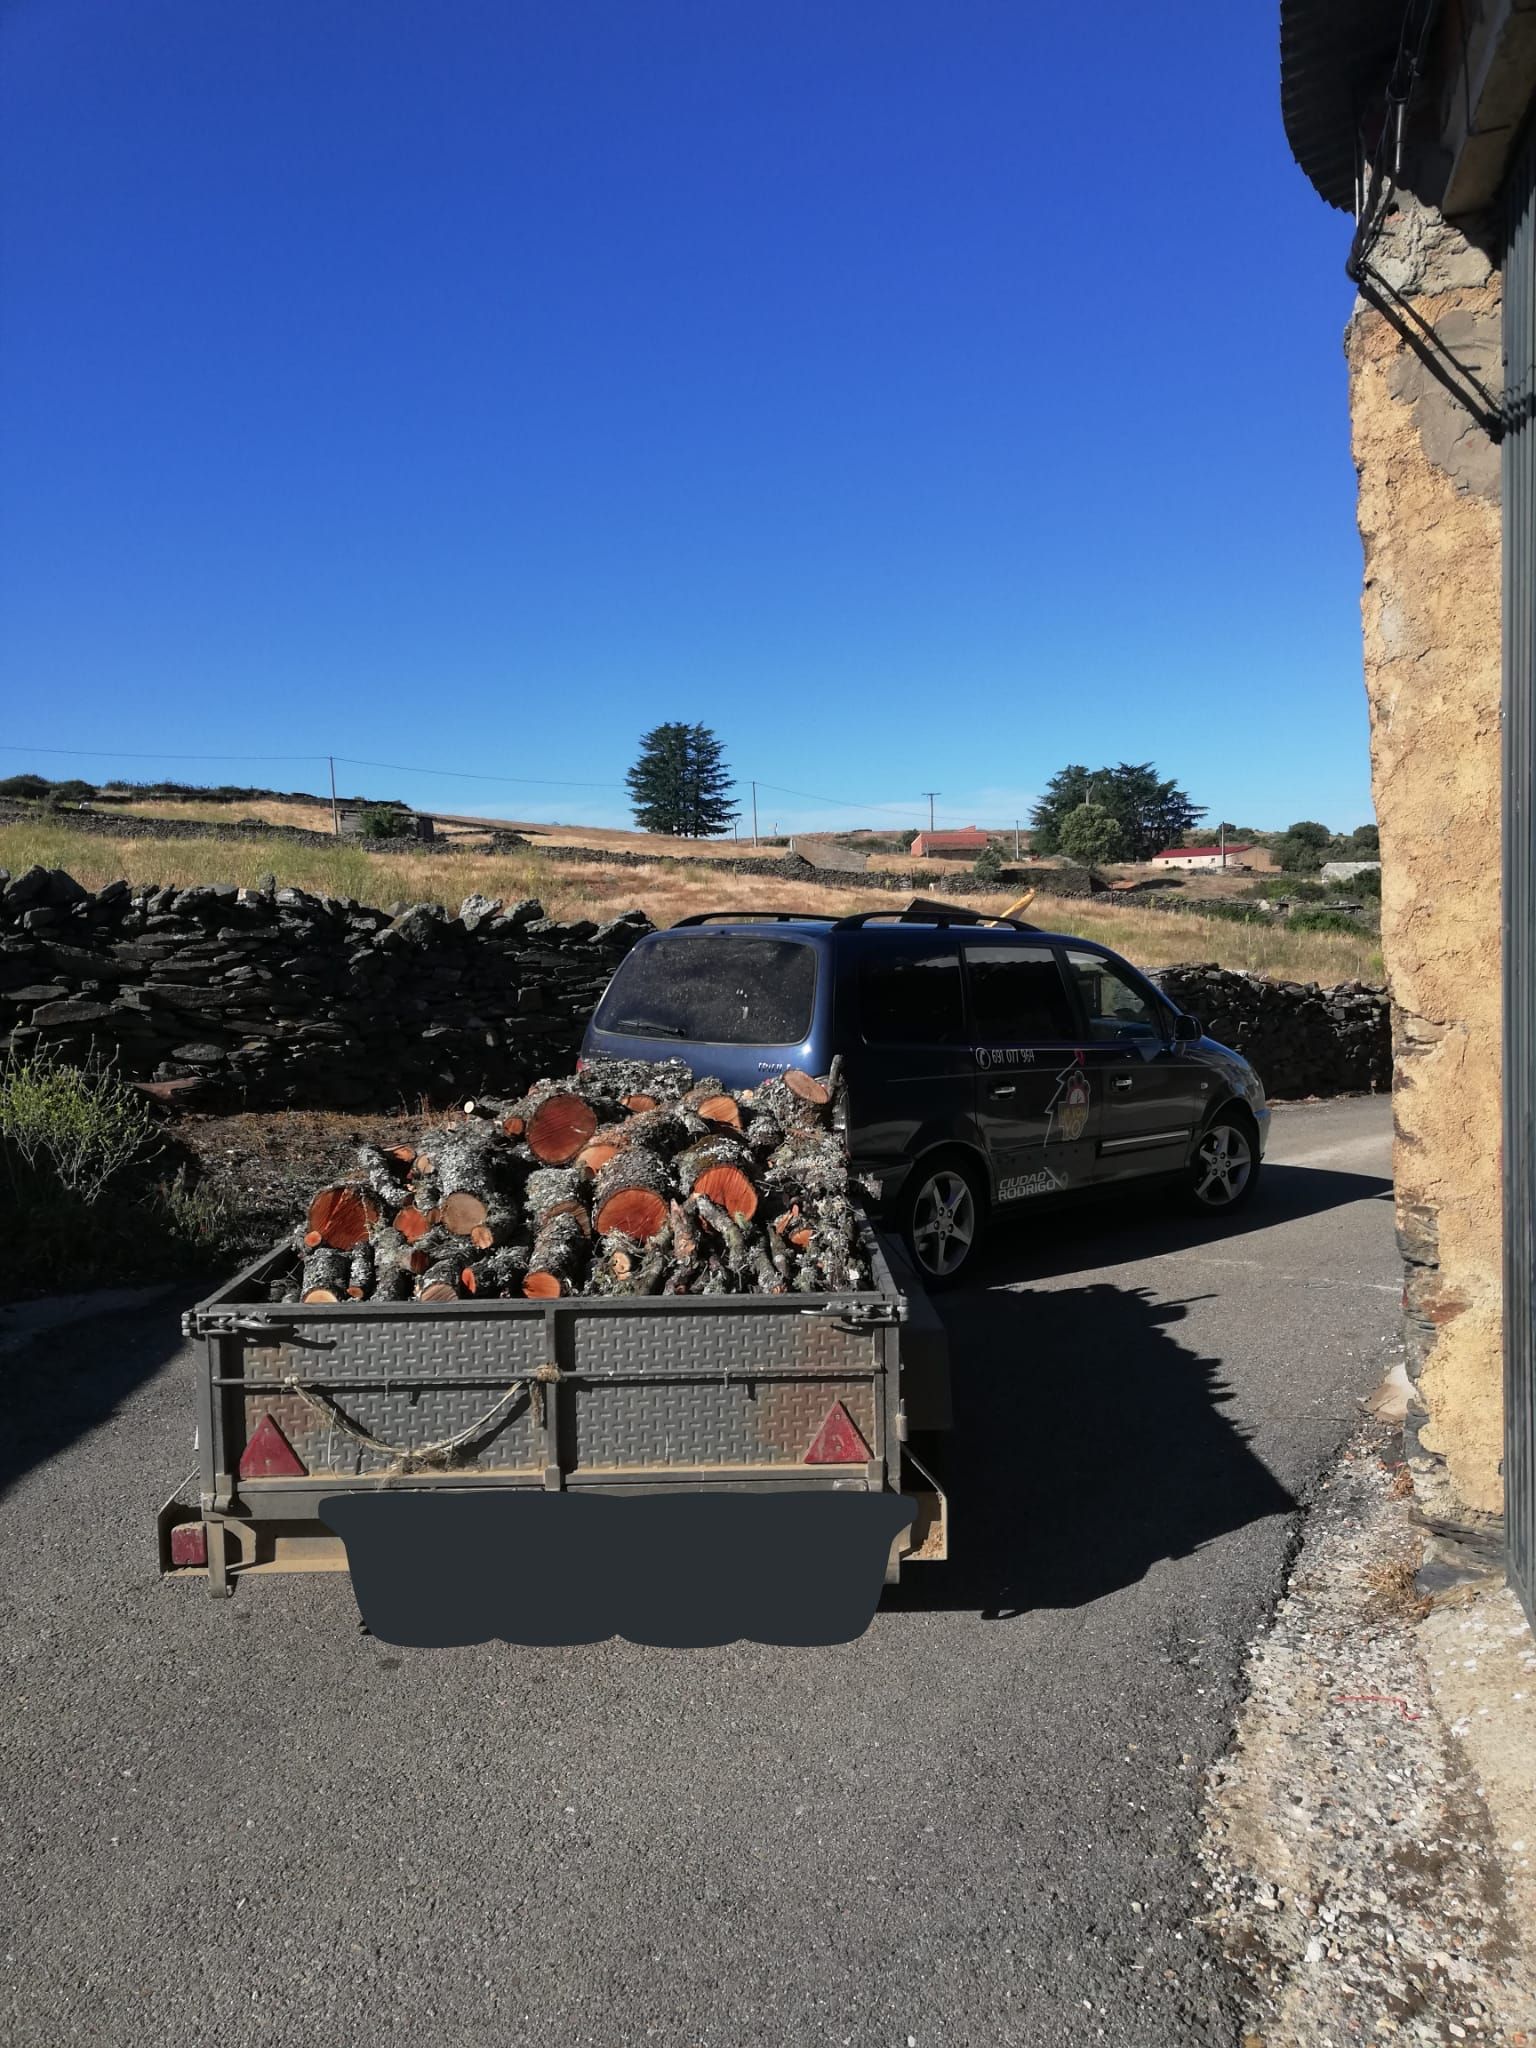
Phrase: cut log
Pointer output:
(495, 1273)
(559, 1260)
(660, 1080)
(411, 1223)
(555, 1189)
(463, 1212)
(606, 1140)
(560, 1125)
(340, 1217)
(325, 1275)
(720, 1169)
(793, 1228)
(636, 1104)
(625, 1266)
(789, 1107)
(633, 1195)
(711, 1102)
(809, 1164)
(429, 1251)
(382, 1174)
(806, 1088)
(764, 1133)
(502, 1226)
(361, 1272)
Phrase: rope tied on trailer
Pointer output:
(405, 1457)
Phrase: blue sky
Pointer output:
(924, 396)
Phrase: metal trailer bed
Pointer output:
(622, 1395)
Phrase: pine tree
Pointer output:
(680, 785)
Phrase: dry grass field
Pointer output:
(665, 891)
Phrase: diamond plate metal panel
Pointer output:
(730, 1341)
(710, 1422)
(413, 1414)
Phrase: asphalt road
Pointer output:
(248, 1822)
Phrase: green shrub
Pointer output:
(378, 822)
(1322, 921)
(988, 865)
(81, 1199)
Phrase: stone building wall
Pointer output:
(1429, 524)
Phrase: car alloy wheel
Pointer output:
(944, 1223)
(1223, 1166)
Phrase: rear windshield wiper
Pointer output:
(650, 1027)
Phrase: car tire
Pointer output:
(943, 1208)
(1224, 1170)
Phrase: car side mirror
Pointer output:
(1187, 1030)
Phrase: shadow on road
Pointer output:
(68, 1381)
(1117, 1229)
(1088, 1443)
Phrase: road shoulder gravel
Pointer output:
(1365, 1837)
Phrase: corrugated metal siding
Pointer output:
(1519, 462)
(1334, 56)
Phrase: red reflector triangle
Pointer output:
(269, 1455)
(838, 1441)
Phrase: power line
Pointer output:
(465, 775)
(115, 754)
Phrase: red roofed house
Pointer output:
(950, 845)
(1201, 857)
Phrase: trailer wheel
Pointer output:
(942, 1211)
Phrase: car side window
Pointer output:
(911, 998)
(1018, 995)
(1115, 1009)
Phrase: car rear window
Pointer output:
(1017, 994)
(714, 991)
(912, 999)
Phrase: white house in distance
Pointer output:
(1202, 857)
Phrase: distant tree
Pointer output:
(74, 791)
(378, 821)
(907, 838)
(680, 785)
(1303, 847)
(988, 864)
(1093, 835)
(24, 785)
(1366, 840)
(1151, 813)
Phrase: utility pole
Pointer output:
(335, 807)
(931, 794)
(1223, 842)
(1015, 838)
(754, 814)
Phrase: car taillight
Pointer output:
(838, 1441)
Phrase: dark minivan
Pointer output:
(988, 1065)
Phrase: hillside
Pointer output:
(664, 887)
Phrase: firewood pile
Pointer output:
(629, 1177)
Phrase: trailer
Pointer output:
(456, 1444)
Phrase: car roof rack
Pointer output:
(921, 911)
(751, 916)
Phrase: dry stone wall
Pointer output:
(273, 996)
(1303, 1039)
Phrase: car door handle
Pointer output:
(1122, 1082)
(1004, 1088)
